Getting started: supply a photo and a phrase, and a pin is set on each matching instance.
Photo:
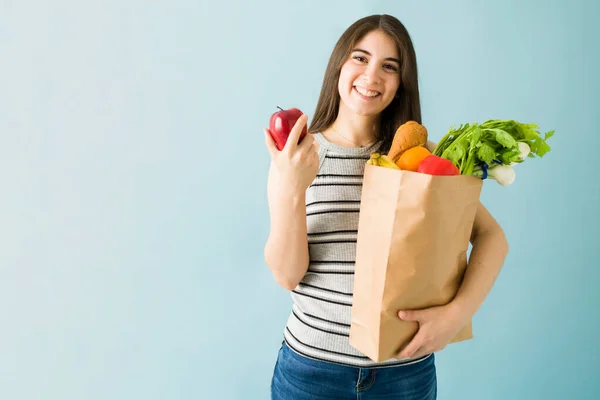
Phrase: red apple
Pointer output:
(281, 124)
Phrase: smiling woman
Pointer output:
(370, 86)
(369, 90)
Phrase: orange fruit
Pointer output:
(411, 158)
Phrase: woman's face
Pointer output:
(370, 77)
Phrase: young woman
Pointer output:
(370, 88)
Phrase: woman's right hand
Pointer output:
(297, 164)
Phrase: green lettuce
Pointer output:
(495, 141)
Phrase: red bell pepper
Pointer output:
(435, 165)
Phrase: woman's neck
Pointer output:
(356, 130)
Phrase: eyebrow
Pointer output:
(387, 59)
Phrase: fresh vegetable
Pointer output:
(408, 135)
(411, 158)
(524, 152)
(487, 150)
(473, 145)
(503, 174)
(435, 165)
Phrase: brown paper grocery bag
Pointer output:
(413, 237)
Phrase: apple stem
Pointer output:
(280, 108)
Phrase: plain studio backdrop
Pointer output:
(133, 207)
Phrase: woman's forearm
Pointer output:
(286, 251)
(487, 257)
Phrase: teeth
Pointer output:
(365, 92)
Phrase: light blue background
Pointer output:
(133, 212)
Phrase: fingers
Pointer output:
(411, 348)
(308, 149)
(317, 145)
(292, 141)
(419, 353)
(409, 315)
(270, 143)
(308, 144)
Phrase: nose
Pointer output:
(371, 74)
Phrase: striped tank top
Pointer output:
(319, 324)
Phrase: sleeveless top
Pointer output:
(319, 324)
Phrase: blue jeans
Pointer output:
(297, 377)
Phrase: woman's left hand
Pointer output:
(437, 327)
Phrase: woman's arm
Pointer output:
(286, 251)
(291, 172)
(487, 257)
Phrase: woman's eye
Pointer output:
(391, 67)
(360, 58)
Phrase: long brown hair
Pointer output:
(404, 107)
